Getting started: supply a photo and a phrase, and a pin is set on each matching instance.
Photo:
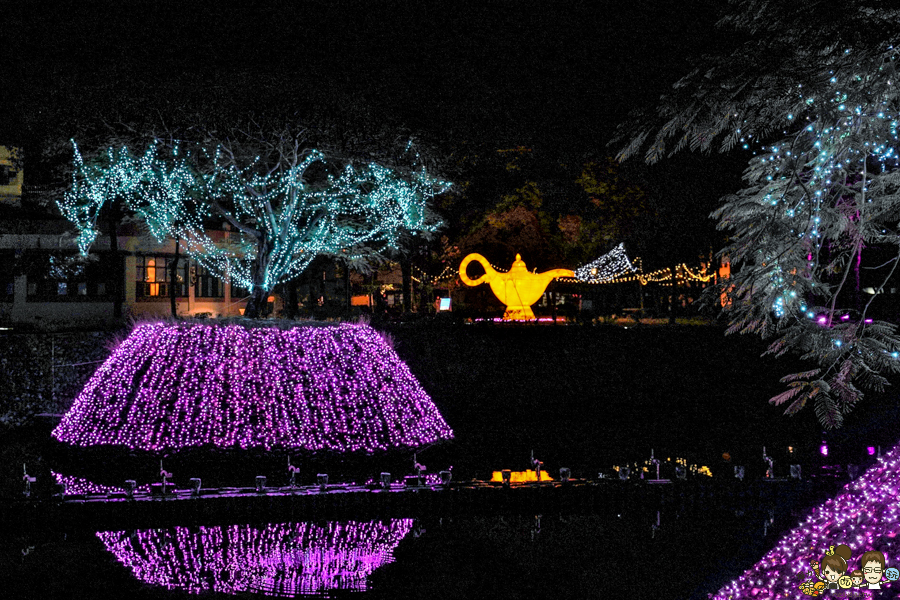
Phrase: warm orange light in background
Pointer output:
(151, 277)
(725, 273)
(359, 301)
(520, 476)
(517, 289)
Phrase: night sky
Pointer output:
(554, 76)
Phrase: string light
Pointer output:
(606, 268)
(663, 276)
(78, 485)
(172, 386)
(821, 184)
(280, 559)
(285, 221)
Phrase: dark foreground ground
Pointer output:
(585, 398)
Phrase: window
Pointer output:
(153, 276)
(8, 175)
(207, 285)
(53, 276)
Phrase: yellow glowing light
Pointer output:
(517, 289)
(520, 476)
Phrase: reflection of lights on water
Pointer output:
(521, 476)
(824, 449)
(283, 559)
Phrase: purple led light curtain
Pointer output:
(277, 559)
(79, 485)
(170, 386)
(865, 515)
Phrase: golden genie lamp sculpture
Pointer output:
(517, 289)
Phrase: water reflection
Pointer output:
(283, 559)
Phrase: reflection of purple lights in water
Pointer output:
(171, 386)
(865, 515)
(824, 449)
(77, 485)
(277, 559)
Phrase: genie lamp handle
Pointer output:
(489, 271)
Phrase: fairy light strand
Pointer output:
(173, 386)
(355, 214)
(278, 559)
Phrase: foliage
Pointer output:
(816, 101)
(553, 214)
(286, 203)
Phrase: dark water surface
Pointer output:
(582, 398)
(494, 556)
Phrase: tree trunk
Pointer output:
(313, 298)
(259, 294)
(406, 270)
(673, 299)
(348, 306)
(290, 308)
(173, 279)
(114, 217)
(258, 298)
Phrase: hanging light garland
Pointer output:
(826, 185)
(606, 268)
(282, 222)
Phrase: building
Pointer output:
(11, 177)
(46, 285)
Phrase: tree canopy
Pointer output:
(285, 203)
(813, 99)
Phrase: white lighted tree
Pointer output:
(815, 99)
(286, 204)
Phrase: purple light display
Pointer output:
(282, 559)
(78, 485)
(176, 385)
(865, 515)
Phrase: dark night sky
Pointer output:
(550, 74)
(554, 76)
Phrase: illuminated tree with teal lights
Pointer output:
(285, 204)
(813, 99)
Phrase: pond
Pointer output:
(686, 545)
(585, 400)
